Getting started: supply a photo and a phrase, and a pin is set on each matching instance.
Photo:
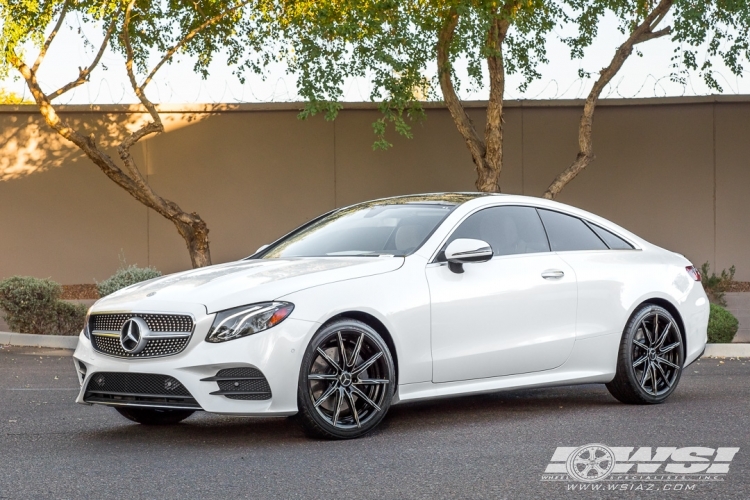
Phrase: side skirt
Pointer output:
(592, 361)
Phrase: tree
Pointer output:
(722, 25)
(139, 31)
(396, 42)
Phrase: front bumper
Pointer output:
(277, 353)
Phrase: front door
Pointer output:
(513, 314)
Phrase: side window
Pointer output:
(508, 230)
(612, 240)
(568, 233)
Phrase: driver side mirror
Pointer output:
(466, 251)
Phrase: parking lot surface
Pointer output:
(489, 446)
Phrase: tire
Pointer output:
(156, 416)
(345, 397)
(650, 359)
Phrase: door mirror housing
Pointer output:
(466, 251)
(262, 247)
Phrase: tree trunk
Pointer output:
(643, 32)
(196, 239)
(487, 153)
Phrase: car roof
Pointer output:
(455, 198)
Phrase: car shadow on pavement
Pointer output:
(511, 407)
(508, 407)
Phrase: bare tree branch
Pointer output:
(86, 144)
(655, 34)
(460, 117)
(129, 68)
(658, 20)
(53, 33)
(83, 74)
(585, 155)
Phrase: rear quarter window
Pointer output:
(612, 240)
(567, 233)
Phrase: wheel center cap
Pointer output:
(652, 354)
(346, 379)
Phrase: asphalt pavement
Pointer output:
(490, 446)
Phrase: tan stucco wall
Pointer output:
(674, 171)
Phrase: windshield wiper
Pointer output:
(356, 253)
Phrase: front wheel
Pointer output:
(156, 416)
(346, 381)
(650, 359)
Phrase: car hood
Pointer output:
(243, 282)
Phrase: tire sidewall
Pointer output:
(630, 331)
(304, 401)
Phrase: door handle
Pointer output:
(552, 274)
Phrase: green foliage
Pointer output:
(716, 286)
(393, 44)
(723, 26)
(722, 325)
(124, 277)
(203, 29)
(33, 305)
(7, 97)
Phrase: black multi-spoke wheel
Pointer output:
(650, 358)
(346, 381)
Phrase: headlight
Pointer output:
(86, 331)
(247, 320)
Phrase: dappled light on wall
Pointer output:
(29, 146)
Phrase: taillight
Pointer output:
(693, 272)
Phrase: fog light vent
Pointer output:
(241, 383)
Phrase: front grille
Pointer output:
(241, 383)
(154, 347)
(155, 322)
(138, 389)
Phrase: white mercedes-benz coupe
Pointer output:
(400, 299)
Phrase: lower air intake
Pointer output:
(138, 389)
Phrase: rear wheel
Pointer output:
(650, 359)
(346, 381)
(154, 416)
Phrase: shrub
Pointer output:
(33, 305)
(715, 286)
(70, 318)
(722, 325)
(29, 303)
(124, 277)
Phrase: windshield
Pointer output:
(369, 229)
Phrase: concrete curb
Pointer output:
(71, 342)
(727, 351)
(30, 340)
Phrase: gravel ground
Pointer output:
(492, 446)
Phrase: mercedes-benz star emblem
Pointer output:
(133, 335)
